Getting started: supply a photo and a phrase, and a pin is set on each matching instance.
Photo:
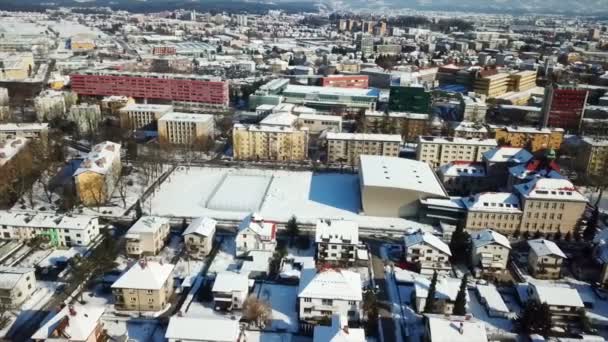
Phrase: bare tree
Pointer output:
(257, 311)
(122, 188)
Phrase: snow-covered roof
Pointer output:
(23, 126)
(535, 168)
(231, 282)
(492, 298)
(148, 224)
(214, 329)
(10, 276)
(329, 91)
(186, 117)
(463, 169)
(45, 220)
(141, 107)
(338, 331)
(446, 288)
(145, 275)
(469, 126)
(256, 224)
(455, 329)
(336, 231)
(493, 202)
(203, 226)
(76, 321)
(320, 117)
(551, 189)
(488, 236)
(396, 138)
(557, 295)
(10, 148)
(330, 284)
(507, 155)
(400, 173)
(279, 119)
(429, 239)
(100, 159)
(542, 247)
(456, 141)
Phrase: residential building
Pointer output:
(202, 329)
(258, 142)
(346, 81)
(532, 138)
(468, 130)
(230, 290)
(492, 85)
(186, 129)
(73, 323)
(490, 251)
(15, 161)
(34, 131)
(564, 107)
(463, 177)
(98, 174)
(253, 233)
(474, 108)
(147, 236)
(427, 252)
(4, 104)
(550, 206)
(522, 80)
(500, 211)
(142, 116)
(388, 49)
(317, 123)
(331, 98)
(592, 158)
(437, 151)
(17, 284)
(198, 237)
(545, 259)
(493, 302)
(338, 331)
(16, 66)
(393, 187)
(86, 116)
(345, 148)
(565, 303)
(498, 161)
(111, 105)
(82, 42)
(337, 240)
(545, 167)
(50, 104)
(409, 125)
(211, 91)
(413, 99)
(59, 230)
(330, 292)
(441, 328)
(446, 291)
(145, 286)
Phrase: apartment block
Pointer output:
(500, 211)
(564, 107)
(409, 125)
(592, 158)
(147, 236)
(16, 66)
(136, 116)
(37, 131)
(146, 286)
(98, 174)
(186, 129)
(473, 108)
(17, 284)
(15, 160)
(317, 123)
(532, 138)
(345, 148)
(522, 80)
(437, 151)
(493, 85)
(86, 116)
(259, 142)
(337, 240)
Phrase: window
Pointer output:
(307, 300)
(352, 302)
(327, 301)
(149, 291)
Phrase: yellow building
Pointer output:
(263, 142)
(522, 80)
(16, 65)
(592, 158)
(185, 129)
(98, 173)
(82, 42)
(531, 138)
(345, 148)
(146, 286)
(493, 85)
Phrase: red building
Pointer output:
(164, 50)
(346, 81)
(174, 87)
(566, 107)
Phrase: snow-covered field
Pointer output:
(282, 299)
(225, 258)
(187, 192)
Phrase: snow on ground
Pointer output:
(304, 194)
(200, 309)
(493, 324)
(225, 258)
(135, 331)
(282, 299)
(61, 255)
(34, 258)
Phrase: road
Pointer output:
(387, 324)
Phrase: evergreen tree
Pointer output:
(536, 318)
(460, 305)
(568, 236)
(460, 245)
(293, 230)
(591, 229)
(429, 305)
(516, 233)
(138, 211)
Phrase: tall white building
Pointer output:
(437, 151)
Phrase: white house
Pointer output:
(337, 240)
(147, 236)
(73, 323)
(441, 328)
(199, 236)
(202, 329)
(564, 302)
(490, 250)
(338, 331)
(446, 291)
(427, 252)
(330, 292)
(545, 259)
(17, 284)
(255, 234)
(230, 290)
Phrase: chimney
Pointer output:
(345, 329)
(72, 310)
(461, 328)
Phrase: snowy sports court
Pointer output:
(231, 194)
